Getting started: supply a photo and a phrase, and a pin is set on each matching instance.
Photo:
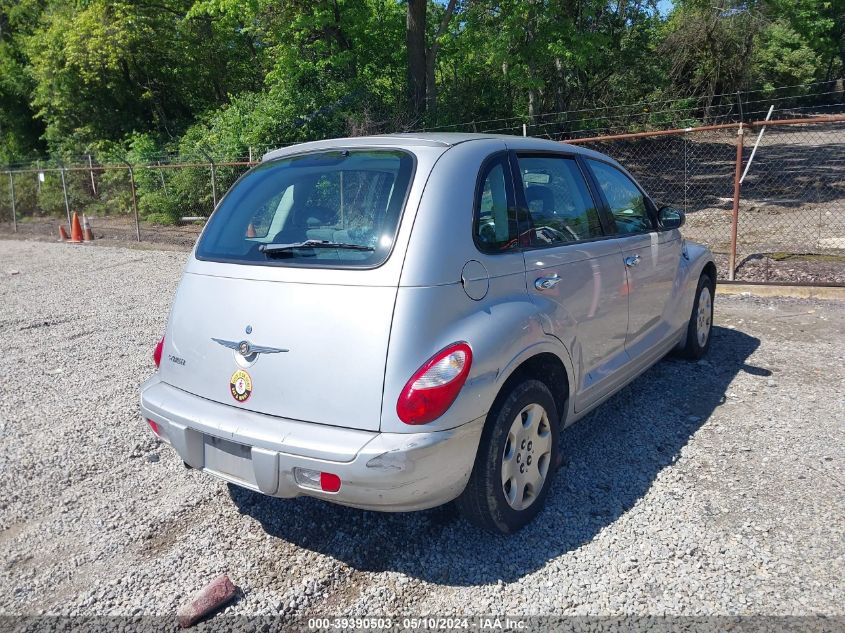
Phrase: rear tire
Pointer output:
(700, 325)
(516, 459)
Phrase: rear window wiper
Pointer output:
(270, 249)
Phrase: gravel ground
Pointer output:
(707, 488)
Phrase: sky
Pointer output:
(664, 6)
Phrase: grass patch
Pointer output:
(164, 219)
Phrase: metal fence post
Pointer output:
(735, 219)
(14, 211)
(134, 203)
(64, 191)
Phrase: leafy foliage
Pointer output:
(135, 79)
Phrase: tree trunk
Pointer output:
(560, 86)
(532, 106)
(415, 40)
(431, 58)
(430, 81)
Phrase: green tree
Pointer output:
(784, 58)
(154, 76)
(20, 131)
(104, 69)
(711, 46)
(820, 26)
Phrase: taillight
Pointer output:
(433, 388)
(157, 352)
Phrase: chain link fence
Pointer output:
(790, 205)
(692, 171)
(159, 201)
(789, 220)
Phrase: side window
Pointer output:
(627, 203)
(495, 217)
(560, 207)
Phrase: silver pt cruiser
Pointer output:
(395, 322)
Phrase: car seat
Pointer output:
(541, 202)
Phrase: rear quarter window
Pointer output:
(495, 222)
(338, 208)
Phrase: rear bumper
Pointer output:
(378, 471)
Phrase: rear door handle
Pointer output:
(633, 260)
(544, 283)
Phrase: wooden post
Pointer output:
(213, 185)
(213, 175)
(14, 211)
(91, 171)
(161, 177)
(64, 191)
(735, 219)
(134, 203)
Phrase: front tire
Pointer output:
(515, 461)
(701, 321)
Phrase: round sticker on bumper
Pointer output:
(240, 386)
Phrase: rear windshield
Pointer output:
(336, 208)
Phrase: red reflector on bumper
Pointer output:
(154, 427)
(329, 482)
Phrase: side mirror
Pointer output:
(671, 218)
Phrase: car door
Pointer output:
(651, 259)
(574, 272)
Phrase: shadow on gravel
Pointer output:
(611, 458)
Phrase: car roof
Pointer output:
(443, 140)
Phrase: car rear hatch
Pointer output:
(286, 306)
(334, 339)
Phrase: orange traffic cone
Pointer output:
(87, 233)
(250, 230)
(75, 230)
(62, 233)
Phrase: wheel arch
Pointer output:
(710, 270)
(545, 365)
